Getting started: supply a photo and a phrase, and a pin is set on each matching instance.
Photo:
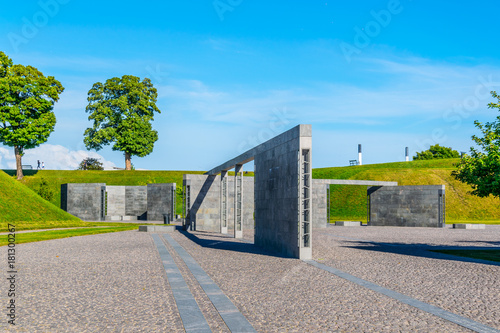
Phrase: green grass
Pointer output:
(348, 202)
(39, 225)
(56, 234)
(492, 255)
(19, 203)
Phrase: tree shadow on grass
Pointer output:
(228, 243)
(423, 250)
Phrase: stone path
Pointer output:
(118, 282)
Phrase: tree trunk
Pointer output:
(128, 161)
(19, 166)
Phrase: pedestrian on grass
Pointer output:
(43, 165)
(38, 167)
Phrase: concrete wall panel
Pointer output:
(160, 200)
(84, 201)
(407, 206)
(136, 201)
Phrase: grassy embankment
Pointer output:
(23, 209)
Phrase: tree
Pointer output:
(436, 152)
(27, 99)
(90, 163)
(122, 110)
(481, 169)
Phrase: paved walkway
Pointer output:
(138, 282)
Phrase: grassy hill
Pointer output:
(349, 202)
(19, 203)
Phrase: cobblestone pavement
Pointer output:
(116, 282)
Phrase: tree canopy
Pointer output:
(27, 99)
(90, 163)
(481, 169)
(436, 152)
(122, 110)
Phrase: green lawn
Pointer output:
(19, 203)
(40, 225)
(55, 234)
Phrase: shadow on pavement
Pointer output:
(422, 250)
(229, 244)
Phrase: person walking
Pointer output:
(43, 165)
(38, 167)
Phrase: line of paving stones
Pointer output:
(279, 294)
(100, 283)
(462, 286)
(192, 318)
(234, 320)
(206, 306)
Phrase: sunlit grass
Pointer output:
(56, 234)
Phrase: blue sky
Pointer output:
(233, 73)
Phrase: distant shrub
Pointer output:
(45, 190)
(90, 163)
(436, 152)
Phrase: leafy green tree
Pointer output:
(90, 163)
(436, 152)
(27, 99)
(481, 169)
(122, 110)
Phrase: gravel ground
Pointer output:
(116, 283)
(100, 283)
(464, 288)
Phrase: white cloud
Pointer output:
(7, 158)
(54, 156)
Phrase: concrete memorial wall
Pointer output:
(160, 200)
(84, 200)
(95, 202)
(407, 206)
(204, 209)
(282, 192)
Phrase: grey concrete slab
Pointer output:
(407, 206)
(191, 315)
(233, 318)
(157, 228)
(85, 201)
(348, 223)
(468, 226)
(355, 182)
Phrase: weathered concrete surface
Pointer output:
(348, 223)
(115, 196)
(320, 203)
(204, 209)
(161, 200)
(136, 201)
(157, 228)
(407, 206)
(84, 201)
(278, 223)
(468, 226)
